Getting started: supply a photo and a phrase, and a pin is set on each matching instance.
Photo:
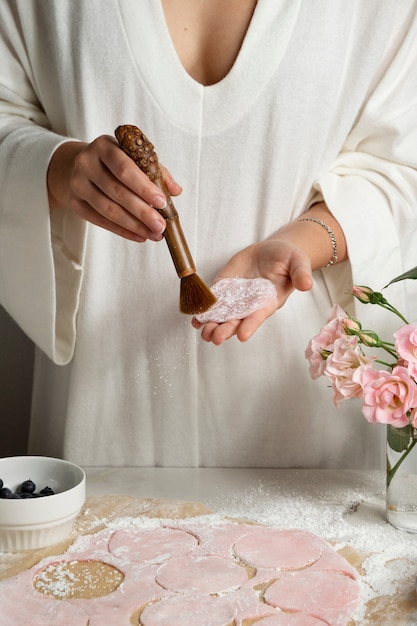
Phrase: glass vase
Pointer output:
(401, 494)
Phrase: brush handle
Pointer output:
(138, 147)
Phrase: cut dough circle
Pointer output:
(324, 594)
(201, 574)
(152, 546)
(189, 611)
(279, 549)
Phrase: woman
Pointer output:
(265, 112)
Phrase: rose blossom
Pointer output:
(387, 396)
(324, 341)
(343, 368)
(406, 346)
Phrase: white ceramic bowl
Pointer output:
(32, 523)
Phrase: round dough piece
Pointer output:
(279, 549)
(189, 611)
(152, 546)
(201, 574)
(314, 592)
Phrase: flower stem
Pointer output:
(389, 307)
(391, 472)
(386, 346)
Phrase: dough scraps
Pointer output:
(186, 572)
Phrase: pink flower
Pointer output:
(387, 396)
(322, 343)
(336, 313)
(343, 368)
(406, 346)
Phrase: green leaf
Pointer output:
(410, 274)
(399, 438)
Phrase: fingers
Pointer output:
(219, 333)
(174, 189)
(109, 190)
(85, 210)
(243, 329)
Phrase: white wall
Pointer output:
(16, 365)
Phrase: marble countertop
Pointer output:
(216, 486)
(332, 501)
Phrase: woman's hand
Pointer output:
(278, 260)
(101, 184)
(287, 258)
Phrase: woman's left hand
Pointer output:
(277, 259)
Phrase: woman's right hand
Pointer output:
(102, 185)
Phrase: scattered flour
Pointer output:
(390, 555)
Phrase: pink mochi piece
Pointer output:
(237, 298)
(201, 574)
(279, 549)
(189, 611)
(327, 595)
(152, 546)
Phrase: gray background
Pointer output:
(16, 368)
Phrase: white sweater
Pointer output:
(321, 102)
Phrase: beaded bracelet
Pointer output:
(333, 260)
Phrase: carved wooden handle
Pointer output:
(138, 147)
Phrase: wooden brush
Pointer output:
(195, 296)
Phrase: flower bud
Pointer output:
(369, 338)
(362, 293)
(366, 295)
(351, 325)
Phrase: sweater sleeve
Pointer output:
(371, 187)
(41, 255)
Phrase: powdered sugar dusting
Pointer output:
(237, 298)
(388, 557)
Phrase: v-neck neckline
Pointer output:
(176, 53)
(187, 102)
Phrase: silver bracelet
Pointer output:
(333, 260)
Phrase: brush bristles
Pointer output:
(195, 296)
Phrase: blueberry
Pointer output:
(25, 495)
(46, 491)
(14, 496)
(28, 486)
(5, 492)
(1, 484)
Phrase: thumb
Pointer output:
(174, 189)
(301, 272)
